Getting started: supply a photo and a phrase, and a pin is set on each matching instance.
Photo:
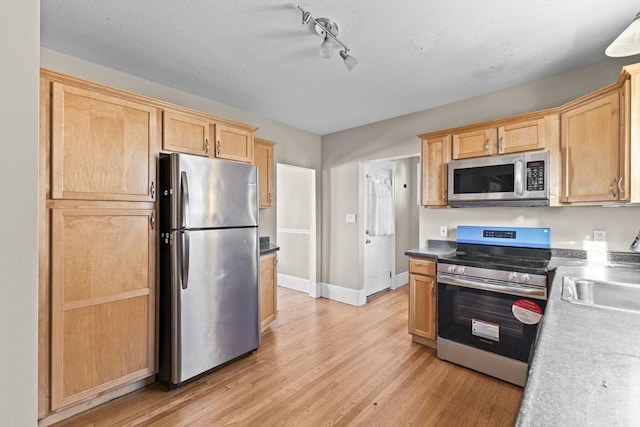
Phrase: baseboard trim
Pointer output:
(293, 282)
(344, 295)
(323, 290)
(299, 284)
(400, 280)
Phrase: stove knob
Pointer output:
(459, 270)
(451, 269)
(524, 278)
(513, 277)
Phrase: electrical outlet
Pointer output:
(444, 231)
(350, 219)
(599, 236)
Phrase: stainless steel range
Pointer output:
(492, 295)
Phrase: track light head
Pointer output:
(349, 61)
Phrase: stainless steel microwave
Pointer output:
(520, 179)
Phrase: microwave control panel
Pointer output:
(535, 176)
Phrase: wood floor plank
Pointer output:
(323, 363)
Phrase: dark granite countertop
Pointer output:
(266, 249)
(435, 249)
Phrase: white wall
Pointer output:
(19, 59)
(294, 146)
(342, 152)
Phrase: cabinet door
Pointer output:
(233, 143)
(590, 142)
(523, 136)
(185, 134)
(102, 301)
(435, 157)
(263, 159)
(268, 292)
(102, 146)
(422, 307)
(477, 143)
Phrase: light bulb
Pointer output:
(349, 61)
(326, 49)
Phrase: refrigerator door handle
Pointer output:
(184, 199)
(184, 258)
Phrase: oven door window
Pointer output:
(486, 320)
(485, 179)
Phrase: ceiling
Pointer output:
(255, 55)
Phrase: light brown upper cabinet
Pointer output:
(102, 300)
(185, 133)
(233, 143)
(475, 143)
(522, 136)
(263, 159)
(592, 148)
(436, 154)
(512, 136)
(101, 146)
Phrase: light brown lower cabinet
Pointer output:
(422, 299)
(268, 290)
(102, 300)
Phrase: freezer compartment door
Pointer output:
(216, 316)
(210, 193)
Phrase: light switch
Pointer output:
(351, 218)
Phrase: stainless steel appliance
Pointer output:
(492, 295)
(209, 310)
(507, 180)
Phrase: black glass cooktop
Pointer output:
(531, 261)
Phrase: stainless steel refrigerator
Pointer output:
(209, 264)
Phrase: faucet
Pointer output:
(635, 245)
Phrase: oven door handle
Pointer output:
(483, 286)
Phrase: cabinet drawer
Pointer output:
(422, 266)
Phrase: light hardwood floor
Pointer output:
(324, 363)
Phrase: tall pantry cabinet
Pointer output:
(98, 240)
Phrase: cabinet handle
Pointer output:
(152, 189)
(613, 187)
(486, 146)
(152, 220)
(206, 145)
(217, 148)
(444, 196)
(501, 146)
(269, 198)
(277, 260)
(433, 289)
(620, 185)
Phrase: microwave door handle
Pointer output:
(519, 178)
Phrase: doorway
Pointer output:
(379, 224)
(296, 228)
(379, 260)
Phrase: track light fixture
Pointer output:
(329, 32)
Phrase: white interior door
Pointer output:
(379, 250)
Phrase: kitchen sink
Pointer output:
(602, 293)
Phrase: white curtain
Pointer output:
(380, 206)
